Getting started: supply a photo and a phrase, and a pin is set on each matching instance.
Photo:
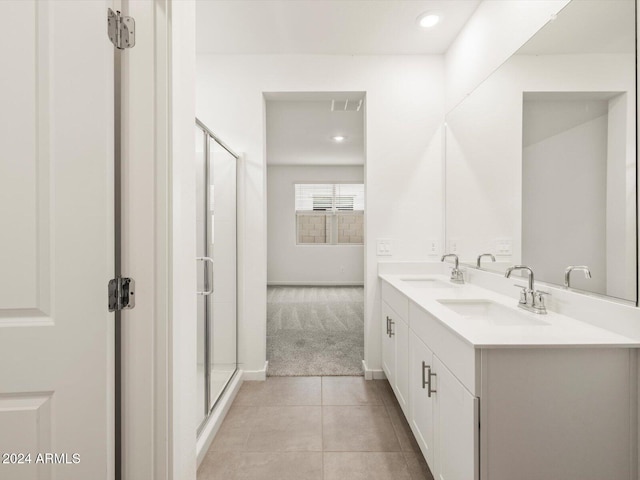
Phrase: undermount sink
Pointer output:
(491, 312)
(427, 283)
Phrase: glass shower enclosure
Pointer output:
(216, 250)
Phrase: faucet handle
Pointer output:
(524, 293)
(538, 301)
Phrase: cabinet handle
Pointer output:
(388, 324)
(424, 369)
(429, 375)
(391, 324)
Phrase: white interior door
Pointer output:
(56, 240)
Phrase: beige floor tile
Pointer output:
(262, 466)
(286, 428)
(220, 465)
(358, 429)
(281, 391)
(234, 431)
(349, 391)
(385, 392)
(418, 468)
(403, 431)
(251, 393)
(365, 466)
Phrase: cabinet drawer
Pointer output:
(460, 357)
(396, 300)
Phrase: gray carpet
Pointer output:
(314, 331)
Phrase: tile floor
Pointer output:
(315, 428)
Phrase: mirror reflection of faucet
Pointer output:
(571, 268)
(490, 255)
(456, 273)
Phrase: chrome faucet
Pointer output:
(571, 268)
(456, 273)
(530, 299)
(490, 255)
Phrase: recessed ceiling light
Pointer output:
(339, 138)
(428, 19)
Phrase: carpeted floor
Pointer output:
(315, 331)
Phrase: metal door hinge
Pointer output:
(121, 30)
(121, 294)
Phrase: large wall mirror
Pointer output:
(541, 157)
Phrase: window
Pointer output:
(329, 213)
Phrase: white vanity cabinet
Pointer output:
(421, 399)
(395, 345)
(443, 415)
(487, 412)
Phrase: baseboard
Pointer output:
(337, 283)
(259, 375)
(215, 420)
(370, 374)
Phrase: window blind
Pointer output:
(329, 197)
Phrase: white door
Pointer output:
(421, 403)
(457, 429)
(388, 344)
(56, 240)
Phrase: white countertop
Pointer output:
(558, 330)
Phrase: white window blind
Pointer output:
(329, 197)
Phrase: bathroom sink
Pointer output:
(491, 312)
(427, 283)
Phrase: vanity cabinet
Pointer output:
(496, 413)
(395, 354)
(420, 399)
(443, 415)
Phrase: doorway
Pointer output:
(315, 239)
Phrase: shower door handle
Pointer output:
(208, 284)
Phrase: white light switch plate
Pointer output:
(385, 247)
(503, 246)
(432, 247)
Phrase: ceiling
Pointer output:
(338, 27)
(585, 26)
(300, 128)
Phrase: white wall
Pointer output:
(182, 244)
(403, 169)
(568, 169)
(495, 31)
(292, 264)
(484, 142)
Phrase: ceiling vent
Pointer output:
(346, 105)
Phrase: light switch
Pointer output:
(453, 245)
(503, 246)
(432, 247)
(384, 247)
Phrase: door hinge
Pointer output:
(121, 294)
(121, 30)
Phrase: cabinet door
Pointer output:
(400, 333)
(388, 345)
(457, 432)
(420, 403)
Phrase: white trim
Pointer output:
(259, 375)
(215, 420)
(370, 374)
(315, 284)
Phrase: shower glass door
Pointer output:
(216, 190)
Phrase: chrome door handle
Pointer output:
(429, 375)
(208, 291)
(424, 369)
(388, 319)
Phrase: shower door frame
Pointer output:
(209, 406)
